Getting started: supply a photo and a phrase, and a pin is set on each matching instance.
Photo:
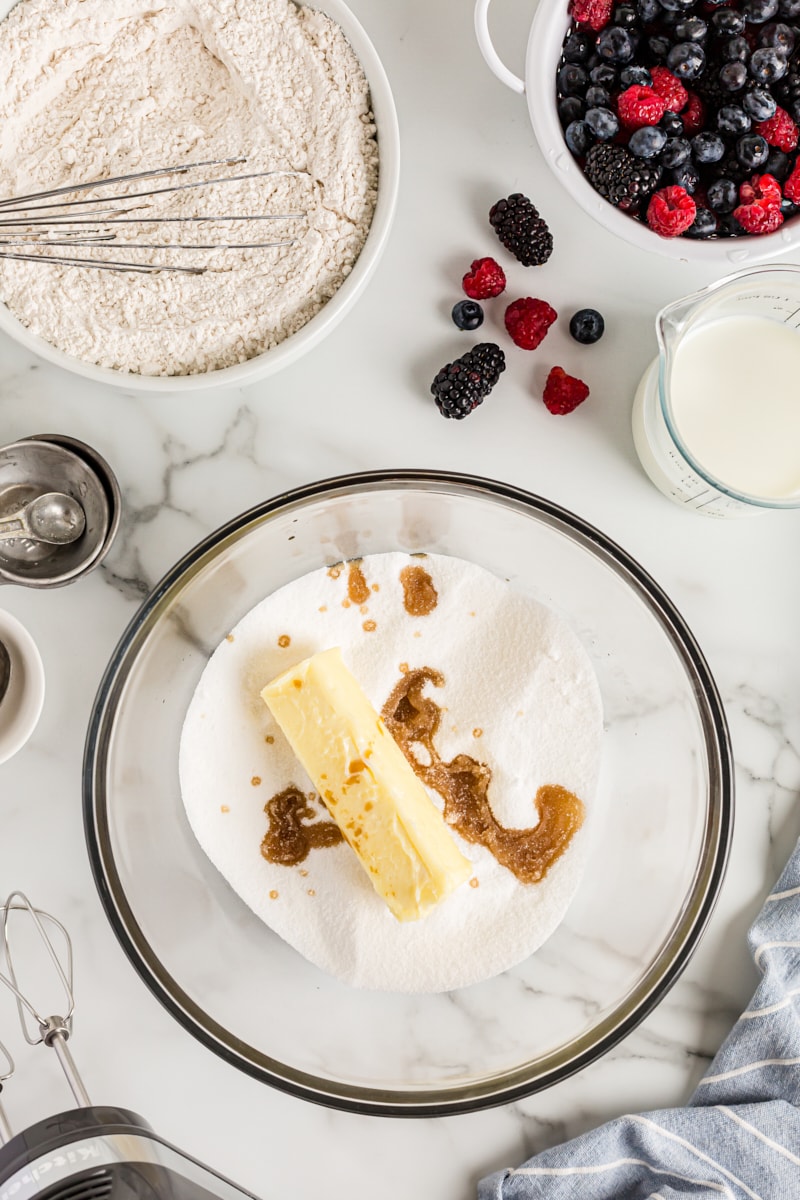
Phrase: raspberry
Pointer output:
(594, 13)
(791, 188)
(484, 279)
(671, 211)
(763, 190)
(528, 320)
(563, 393)
(638, 106)
(669, 88)
(755, 218)
(693, 115)
(779, 130)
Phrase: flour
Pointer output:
(519, 694)
(90, 89)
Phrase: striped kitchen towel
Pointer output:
(738, 1137)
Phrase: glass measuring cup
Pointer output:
(716, 416)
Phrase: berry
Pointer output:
(587, 326)
(676, 152)
(671, 124)
(733, 76)
(597, 97)
(602, 122)
(578, 136)
(767, 65)
(759, 104)
(703, 225)
(619, 176)
(562, 392)
(671, 211)
(791, 188)
(615, 45)
(762, 190)
(754, 218)
(779, 130)
(594, 13)
(637, 75)
(638, 106)
(752, 150)
(685, 177)
(521, 229)
(692, 29)
(732, 119)
(528, 320)
(670, 89)
(707, 147)
(779, 36)
(572, 80)
(578, 47)
(462, 385)
(727, 20)
(570, 108)
(722, 195)
(647, 142)
(467, 314)
(687, 60)
(735, 49)
(693, 115)
(758, 11)
(485, 279)
(777, 165)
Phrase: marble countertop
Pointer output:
(360, 400)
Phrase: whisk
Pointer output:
(32, 226)
(89, 1152)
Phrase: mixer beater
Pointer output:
(87, 1152)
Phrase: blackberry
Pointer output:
(619, 176)
(521, 229)
(462, 385)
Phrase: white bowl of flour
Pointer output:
(88, 92)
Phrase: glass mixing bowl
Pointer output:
(660, 843)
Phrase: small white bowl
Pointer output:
(548, 29)
(336, 308)
(21, 706)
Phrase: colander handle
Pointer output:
(486, 47)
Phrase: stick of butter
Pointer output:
(370, 790)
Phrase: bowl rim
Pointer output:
(496, 1088)
(550, 22)
(323, 322)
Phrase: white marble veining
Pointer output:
(359, 401)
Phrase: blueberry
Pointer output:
(615, 44)
(602, 122)
(570, 108)
(676, 152)
(778, 36)
(587, 326)
(732, 119)
(659, 46)
(685, 176)
(759, 104)
(635, 75)
(703, 225)
(597, 97)
(677, 5)
(467, 314)
(728, 20)
(767, 65)
(604, 75)
(732, 76)
(572, 80)
(671, 124)
(756, 12)
(707, 147)
(625, 15)
(734, 49)
(722, 195)
(752, 150)
(648, 10)
(687, 60)
(789, 9)
(778, 164)
(691, 29)
(578, 137)
(577, 47)
(647, 142)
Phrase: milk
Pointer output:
(734, 388)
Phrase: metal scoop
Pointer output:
(54, 518)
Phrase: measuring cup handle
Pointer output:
(486, 47)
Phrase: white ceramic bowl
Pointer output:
(548, 28)
(332, 313)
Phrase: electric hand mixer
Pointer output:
(88, 1152)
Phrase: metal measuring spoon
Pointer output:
(5, 670)
(53, 517)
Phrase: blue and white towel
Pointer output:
(739, 1136)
